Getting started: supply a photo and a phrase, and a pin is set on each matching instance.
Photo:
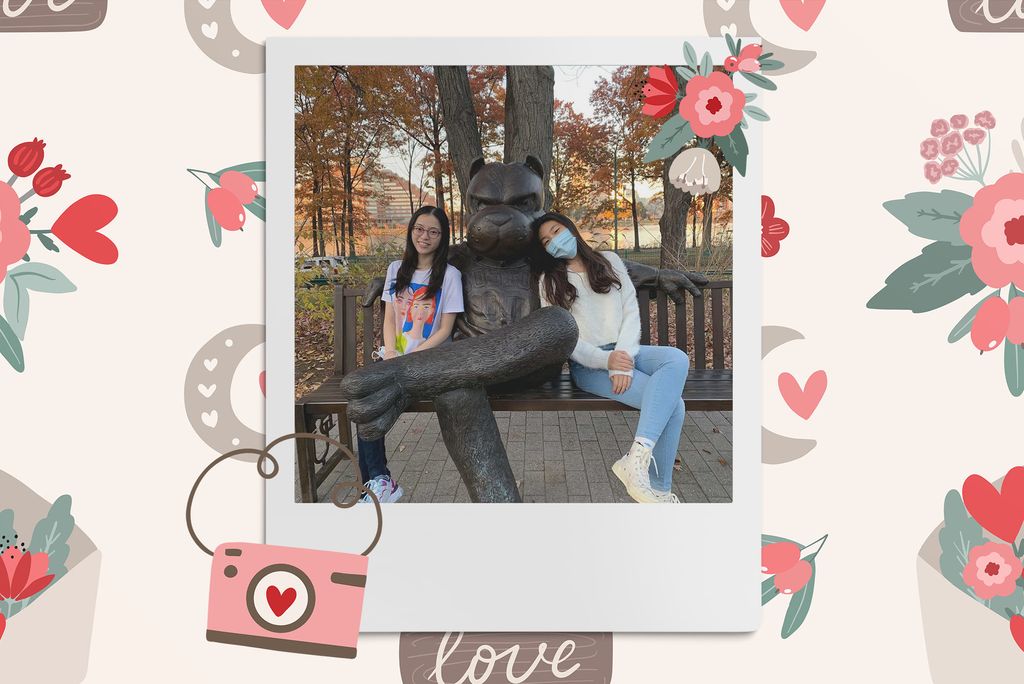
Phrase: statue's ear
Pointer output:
(535, 165)
(478, 164)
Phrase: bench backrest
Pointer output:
(357, 333)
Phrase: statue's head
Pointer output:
(502, 202)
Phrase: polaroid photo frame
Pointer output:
(524, 567)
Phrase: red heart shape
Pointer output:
(77, 228)
(999, 512)
(803, 400)
(1017, 630)
(803, 13)
(278, 601)
(284, 12)
(263, 382)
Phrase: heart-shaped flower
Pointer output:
(78, 228)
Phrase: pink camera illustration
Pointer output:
(283, 598)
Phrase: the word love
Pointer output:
(987, 15)
(497, 658)
(51, 15)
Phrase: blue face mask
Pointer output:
(563, 245)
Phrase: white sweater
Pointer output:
(603, 318)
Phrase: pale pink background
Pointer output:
(99, 410)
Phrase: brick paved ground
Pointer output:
(561, 456)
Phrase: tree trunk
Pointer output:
(530, 116)
(334, 218)
(438, 176)
(462, 216)
(673, 221)
(693, 231)
(350, 202)
(412, 207)
(709, 211)
(451, 205)
(636, 221)
(316, 204)
(459, 121)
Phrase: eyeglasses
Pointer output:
(432, 233)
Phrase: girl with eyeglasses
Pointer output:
(422, 295)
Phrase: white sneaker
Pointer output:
(665, 497)
(632, 471)
(385, 489)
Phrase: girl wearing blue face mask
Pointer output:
(608, 359)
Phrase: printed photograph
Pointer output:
(514, 283)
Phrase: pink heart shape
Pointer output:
(263, 382)
(284, 12)
(803, 13)
(803, 400)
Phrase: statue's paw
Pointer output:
(375, 399)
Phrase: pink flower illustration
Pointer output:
(712, 105)
(14, 236)
(949, 166)
(974, 136)
(985, 120)
(773, 230)
(994, 226)
(958, 121)
(930, 148)
(940, 127)
(952, 144)
(992, 570)
(23, 574)
(660, 92)
(933, 172)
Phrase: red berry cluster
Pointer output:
(782, 559)
(25, 160)
(996, 319)
(227, 202)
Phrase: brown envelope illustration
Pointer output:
(62, 617)
(955, 624)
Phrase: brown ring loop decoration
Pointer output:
(264, 456)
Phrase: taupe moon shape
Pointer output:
(776, 448)
(738, 12)
(208, 390)
(210, 24)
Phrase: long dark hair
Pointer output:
(411, 258)
(557, 288)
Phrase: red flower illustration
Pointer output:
(661, 92)
(47, 182)
(25, 158)
(773, 229)
(712, 105)
(78, 228)
(23, 574)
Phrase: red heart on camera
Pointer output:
(278, 601)
(999, 512)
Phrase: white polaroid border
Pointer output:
(524, 567)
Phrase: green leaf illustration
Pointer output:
(48, 242)
(216, 234)
(1007, 606)
(964, 326)
(685, 72)
(21, 279)
(798, 606)
(770, 64)
(706, 65)
(959, 534)
(734, 147)
(7, 530)
(731, 42)
(10, 346)
(670, 139)
(750, 97)
(772, 539)
(27, 216)
(768, 590)
(256, 170)
(258, 207)
(690, 55)
(51, 536)
(756, 113)
(760, 81)
(940, 275)
(932, 215)
(1013, 365)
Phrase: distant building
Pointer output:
(388, 200)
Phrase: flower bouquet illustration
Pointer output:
(77, 228)
(792, 570)
(705, 108)
(976, 242)
(975, 557)
(48, 583)
(230, 193)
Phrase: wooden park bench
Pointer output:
(708, 388)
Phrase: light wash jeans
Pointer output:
(659, 374)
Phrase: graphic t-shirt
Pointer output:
(415, 313)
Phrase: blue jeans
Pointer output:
(372, 460)
(659, 374)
